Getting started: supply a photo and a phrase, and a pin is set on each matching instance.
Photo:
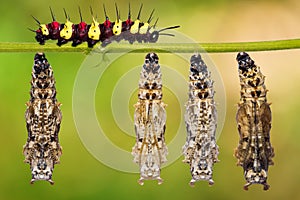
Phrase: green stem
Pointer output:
(158, 47)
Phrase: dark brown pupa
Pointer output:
(254, 151)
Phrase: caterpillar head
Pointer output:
(42, 33)
(154, 37)
(39, 37)
(155, 34)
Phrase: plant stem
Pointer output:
(158, 47)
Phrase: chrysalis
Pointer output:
(43, 117)
(200, 150)
(150, 149)
(254, 151)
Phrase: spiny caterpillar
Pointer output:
(106, 32)
(43, 117)
(200, 150)
(150, 149)
(254, 151)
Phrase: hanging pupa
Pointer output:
(254, 151)
(43, 117)
(200, 150)
(150, 149)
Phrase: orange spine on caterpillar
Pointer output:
(95, 32)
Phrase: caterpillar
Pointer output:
(200, 150)
(43, 118)
(254, 151)
(106, 32)
(150, 149)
